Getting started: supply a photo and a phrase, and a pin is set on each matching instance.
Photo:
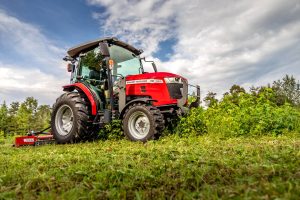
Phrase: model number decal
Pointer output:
(28, 140)
(144, 81)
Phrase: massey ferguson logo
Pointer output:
(28, 140)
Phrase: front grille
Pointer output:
(175, 90)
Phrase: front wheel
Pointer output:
(142, 122)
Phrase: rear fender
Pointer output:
(86, 91)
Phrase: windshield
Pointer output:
(125, 62)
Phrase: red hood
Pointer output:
(151, 75)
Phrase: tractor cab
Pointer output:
(88, 59)
(125, 62)
(91, 65)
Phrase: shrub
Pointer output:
(1, 137)
(193, 124)
(111, 131)
(242, 115)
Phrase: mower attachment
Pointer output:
(35, 139)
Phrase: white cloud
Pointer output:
(219, 43)
(143, 23)
(16, 84)
(31, 64)
(27, 40)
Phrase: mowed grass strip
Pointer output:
(183, 168)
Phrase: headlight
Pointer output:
(173, 80)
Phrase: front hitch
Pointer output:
(196, 103)
(181, 103)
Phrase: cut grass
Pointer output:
(184, 168)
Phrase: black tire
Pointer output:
(171, 122)
(154, 116)
(82, 125)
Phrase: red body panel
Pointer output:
(86, 91)
(153, 85)
(25, 140)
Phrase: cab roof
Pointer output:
(84, 47)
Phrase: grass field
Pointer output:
(203, 167)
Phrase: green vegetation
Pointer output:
(242, 114)
(243, 146)
(195, 167)
(20, 118)
(93, 60)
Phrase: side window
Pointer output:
(85, 72)
(91, 64)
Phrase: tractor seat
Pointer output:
(94, 75)
(96, 87)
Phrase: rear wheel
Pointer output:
(142, 122)
(71, 120)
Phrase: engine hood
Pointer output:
(153, 75)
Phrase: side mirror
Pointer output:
(68, 58)
(104, 49)
(70, 67)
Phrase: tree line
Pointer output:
(20, 118)
(286, 90)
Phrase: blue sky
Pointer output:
(212, 43)
(67, 22)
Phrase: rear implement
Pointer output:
(35, 139)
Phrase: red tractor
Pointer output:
(108, 81)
